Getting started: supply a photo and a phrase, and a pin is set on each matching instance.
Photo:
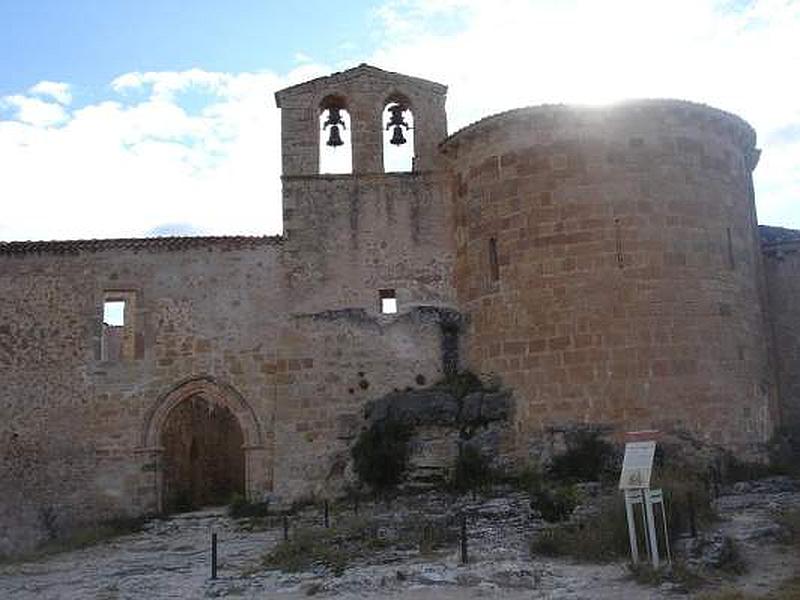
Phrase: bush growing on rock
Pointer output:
(380, 454)
(588, 458)
(687, 497)
(555, 503)
(460, 384)
(784, 452)
(472, 471)
(601, 537)
(789, 520)
(306, 548)
(240, 508)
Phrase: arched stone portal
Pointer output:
(202, 441)
(203, 460)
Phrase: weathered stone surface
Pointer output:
(493, 406)
(415, 407)
(603, 289)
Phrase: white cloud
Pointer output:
(60, 92)
(741, 57)
(122, 168)
(34, 111)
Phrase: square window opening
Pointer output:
(114, 313)
(388, 301)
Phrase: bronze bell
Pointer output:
(398, 139)
(334, 139)
(334, 120)
(396, 120)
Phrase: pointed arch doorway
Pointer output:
(203, 460)
(205, 444)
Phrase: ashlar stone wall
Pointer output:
(782, 268)
(609, 262)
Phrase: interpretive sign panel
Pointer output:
(637, 466)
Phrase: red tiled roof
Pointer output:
(166, 243)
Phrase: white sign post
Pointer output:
(634, 481)
(637, 466)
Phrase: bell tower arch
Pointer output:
(365, 90)
(381, 228)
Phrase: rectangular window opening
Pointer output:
(388, 301)
(114, 313)
(118, 338)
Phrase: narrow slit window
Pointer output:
(731, 255)
(388, 301)
(494, 265)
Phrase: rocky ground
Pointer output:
(171, 559)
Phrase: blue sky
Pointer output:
(123, 118)
(89, 42)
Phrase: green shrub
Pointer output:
(380, 454)
(183, 502)
(240, 508)
(677, 573)
(731, 559)
(472, 471)
(429, 537)
(333, 548)
(787, 590)
(600, 538)
(588, 458)
(526, 479)
(461, 384)
(789, 520)
(555, 502)
(734, 470)
(784, 452)
(83, 537)
(686, 496)
(306, 548)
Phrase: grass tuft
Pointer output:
(82, 537)
(601, 538)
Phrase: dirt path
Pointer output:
(171, 559)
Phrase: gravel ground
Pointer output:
(171, 558)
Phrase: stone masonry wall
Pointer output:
(625, 285)
(72, 421)
(782, 267)
(73, 424)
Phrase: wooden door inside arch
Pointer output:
(203, 461)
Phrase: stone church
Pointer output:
(603, 264)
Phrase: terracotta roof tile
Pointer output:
(159, 244)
